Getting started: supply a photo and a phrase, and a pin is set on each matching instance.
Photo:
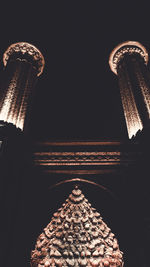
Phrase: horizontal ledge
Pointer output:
(80, 153)
(79, 172)
(79, 143)
(75, 163)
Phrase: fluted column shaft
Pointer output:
(129, 61)
(23, 64)
(20, 78)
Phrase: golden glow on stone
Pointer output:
(132, 117)
(8, 112)
(123, 48)
(24, 47)
(15, 97)
(76, 236)
(14, 105)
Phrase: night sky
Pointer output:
(77, 96)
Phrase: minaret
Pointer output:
(129, 61)
(23, 64)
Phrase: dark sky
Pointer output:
(77, 96)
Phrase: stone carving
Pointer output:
(76, 236)
(129, 47)
(25, 48)
(128, 60)
(26, 63)
(144, 86)
(131, 113)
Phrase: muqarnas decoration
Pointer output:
(77, 236)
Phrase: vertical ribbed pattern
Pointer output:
(20, 77)
(132, 117)
(7, 104)
(143, 84)
(128, 60)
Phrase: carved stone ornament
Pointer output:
(76, 236)
(25, 48)
(129, 47)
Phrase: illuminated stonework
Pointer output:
(129, 47)
(76, 236)
(25, 48)
(128, 61)
(132, 116)
(23, 63)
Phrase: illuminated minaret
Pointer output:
(23, 64)
(129, 62)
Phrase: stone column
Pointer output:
(128, 61)
(23, 64)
